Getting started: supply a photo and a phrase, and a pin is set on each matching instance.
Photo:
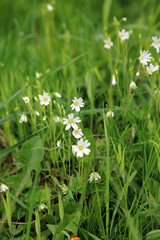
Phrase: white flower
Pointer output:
(124, 34)
(151, 68)
(94, 176)
(113, 80)
(108, 43)
(64, 188)
(77, 133)
(49, 7)
(26, 99)
(133, 85)
(137, 74)
(38, 75)
(3, 187)
(81, 148)
(124, 19)
(37, 113)
(57, 119)
(42, 207)
(77, 103)
(44, 118)
(71, 121)
(156, 43)
(23, 118)
(110, 114)
(144, 57)
(44, 99)
(58, 143)
(57, 94)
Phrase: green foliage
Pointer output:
(62, 51)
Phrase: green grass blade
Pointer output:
(10, 149)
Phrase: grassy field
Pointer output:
(94, 175)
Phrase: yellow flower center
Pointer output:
(45, 99)
(76, 131)
(76, 103)
(122, 35)
(70, 120)
(109, 43)
(150, 71)
(80, 147)
(142, 58)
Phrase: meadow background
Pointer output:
(65, 46)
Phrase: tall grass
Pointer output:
(63, 51)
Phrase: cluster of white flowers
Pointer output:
(123, 35)
(71, 122)
(44, 100)
(144, 58)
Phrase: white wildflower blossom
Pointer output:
(124, 35)
(71, 121)
(44, 118)
(64, 188)
(108, 43)
(77, 133)
(81, 148)
(145, 57)
(38, 75)
(156, 43)
(114, 80)
(57, 119)
(44, 99)
(49, 7)
(3, 187)
(42, 207)
(37, 113)
(110, 114)
(124, 19)
(133, 85)
(94, 176)
(137, 74)
(77, 104)
(26, 99)
(151, 68)
(58, 143)
(57, 94)
(23, 118)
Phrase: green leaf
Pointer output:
(153, 235)
(32, 152)
(73, 225)
(36, 153)
(61, 210)
(10, 149)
